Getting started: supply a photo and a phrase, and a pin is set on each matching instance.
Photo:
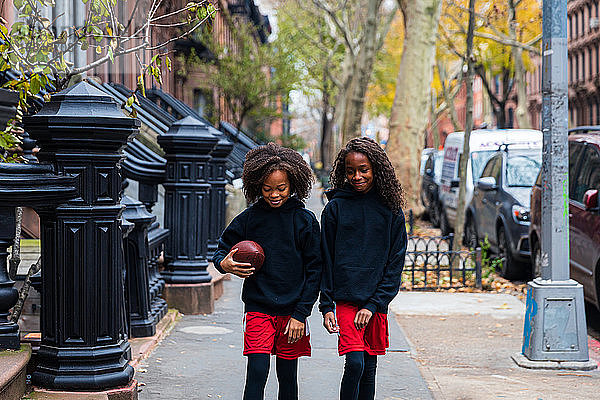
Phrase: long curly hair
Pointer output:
(385, 181)
(263, 160)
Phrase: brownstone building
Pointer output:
(186, 83)
(583, 65)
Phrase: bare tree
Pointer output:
(410, 109)
(462, 166)
(362, 35)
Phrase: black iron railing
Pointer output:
(430, 264)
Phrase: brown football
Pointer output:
(249, 252)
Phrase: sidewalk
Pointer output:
(463, 344)
(202, 359)
(443, 346)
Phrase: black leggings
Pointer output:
(358, 382)
(258, 371)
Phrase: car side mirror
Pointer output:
(487, 183)
(590, 199)
(454, 183)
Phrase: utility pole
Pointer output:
(555, 333)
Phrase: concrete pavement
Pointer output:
(463, 344)
(202, 358)
(443, 346)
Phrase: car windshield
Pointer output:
(438, 161)
(478, 161)
(522, 167)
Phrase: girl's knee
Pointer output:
(370, 368)
(354, 363)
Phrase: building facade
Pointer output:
(583, 32)
(187, 83)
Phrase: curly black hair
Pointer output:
(386, 183)
(263, 160)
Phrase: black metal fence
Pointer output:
(430, 264)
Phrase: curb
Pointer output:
(145, 346)
(594, 350)
(432, 383)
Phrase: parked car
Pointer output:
(584, 216)
(424, 155)
(499, 209)
(430, 184)
(483, 144)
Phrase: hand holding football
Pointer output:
(249, 252)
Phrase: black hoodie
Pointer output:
(288, 282)
(363, 244)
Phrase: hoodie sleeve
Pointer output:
(311, 259)
(234, 233)
(328, 232)
(392, 276)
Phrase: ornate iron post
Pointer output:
(187, 145)
(81, 131)
(217, 180)
(9, 331)
(141, 321)
(30, 185)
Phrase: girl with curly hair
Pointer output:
(279, 297)
(363, 242)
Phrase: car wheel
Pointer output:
(444, 225)
(510, 268)
(536, 260)
(470, 239)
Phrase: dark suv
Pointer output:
(499, 209)
(430, 184)
(584, 216)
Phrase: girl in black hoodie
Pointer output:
(363, 242)
(279, 297)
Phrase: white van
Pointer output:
(482, 145)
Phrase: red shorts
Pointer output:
(264, 333)
(374, 338)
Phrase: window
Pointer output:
(522, 167)
(478, 160)
(497, 169)
(429, 163)
(487, 170)
(569, 27)
(589, 174)
(575, 151)
(203, 102)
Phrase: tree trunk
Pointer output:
(521, 113)
(326, 127)
(343, 95)
(448, 97)
(462, 168)
(24, 292)
(410, 109)
(15, 257)
(362, 75)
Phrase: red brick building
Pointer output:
(187, 83)
(583, 65)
